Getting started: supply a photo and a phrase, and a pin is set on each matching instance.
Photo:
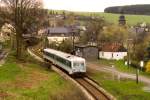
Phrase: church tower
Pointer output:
(122, 20)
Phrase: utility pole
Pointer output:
(137, 69)
(128, 51)
(46, 36)
(137, 76)
(128, 56)
(73, 43)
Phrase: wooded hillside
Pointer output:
(130, 9)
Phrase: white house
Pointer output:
(113, 51)
(58, 34)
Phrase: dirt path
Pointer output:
(114, 71)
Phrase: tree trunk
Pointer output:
(12, 38)
(19, 45)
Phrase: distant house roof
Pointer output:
(83, 28)
(84, 46)
(113, 47)
(139, 30)
(59, 30)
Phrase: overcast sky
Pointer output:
(88, 5)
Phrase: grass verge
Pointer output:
(30, 80)
(122, 89)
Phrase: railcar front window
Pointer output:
(79, 64)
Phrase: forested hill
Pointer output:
(143, 9)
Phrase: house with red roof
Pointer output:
(112, 51)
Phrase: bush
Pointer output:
(66, 46)
(32, 41)
(53, 45)
(148, 66)
(134, 63)
(125, 58)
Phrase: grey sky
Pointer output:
(88, 5)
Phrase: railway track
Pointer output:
(37, 52)
(94, 91)
(87, 83)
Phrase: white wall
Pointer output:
(112, 55)
(57, 39)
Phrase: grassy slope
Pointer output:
(31, 81)
(131, 19)
(113, 18)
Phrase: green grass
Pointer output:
(122, 89)
(32, 81)
(120, 65)
(131, 19)
(9, 71)
(113, 18)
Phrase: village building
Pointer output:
(88, 52)
(58, 34)
(142, 29)
(112, 51)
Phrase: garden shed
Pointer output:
(87, 51)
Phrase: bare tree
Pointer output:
(22, 14)
(94, 28)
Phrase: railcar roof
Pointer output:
(64, 55)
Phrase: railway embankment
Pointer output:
(87, 93)
(30, 80)
(65, 76)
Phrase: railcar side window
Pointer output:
(68, 63)
(49, 54)
(59, 59)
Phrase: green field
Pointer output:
(30, 80)
(113, 18)
(131, 19)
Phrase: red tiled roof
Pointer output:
(113, 47)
